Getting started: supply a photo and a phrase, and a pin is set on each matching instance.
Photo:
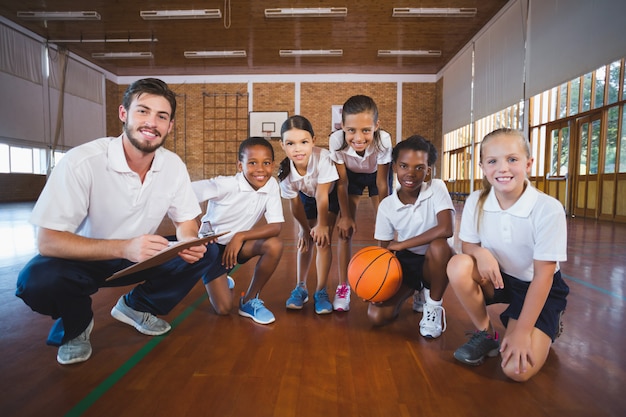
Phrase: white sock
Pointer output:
(430, 300)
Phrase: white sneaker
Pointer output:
(419, 299)
(430, 325)
(342, 298)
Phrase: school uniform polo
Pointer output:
(235, 206)
(532, 229)
(410, 220)
(320, 170)
(92, 192)
(368, 163)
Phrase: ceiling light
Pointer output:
(434, 12)
(398, 52)
(307, 12)
(121, 55)
(180, 14)
(104, 40)
(41, 15)
(310, 52)
(215, 54)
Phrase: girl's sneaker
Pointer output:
(298, 297)
(480, 345)
(322, 303)
(342, 298)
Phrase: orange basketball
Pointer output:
(374, 274)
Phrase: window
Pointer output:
(599, 87)
(613, 87)
(25, 160)
(611, 140)
(622, 148)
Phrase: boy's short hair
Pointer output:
(253, 141)
(415, 143)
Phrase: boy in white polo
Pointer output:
(236, 204)
(417, 223)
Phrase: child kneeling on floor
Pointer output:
(235, 205)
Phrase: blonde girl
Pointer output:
(307, 179)
(513, 238)
(362, 154)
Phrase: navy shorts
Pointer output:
(357, 181)
(217, 269)
(514, 293)
(310, 205)
(412, 269)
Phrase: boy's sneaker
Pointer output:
(342, 298)
(77, 349)
(430, 324)
(255, 310)
(298, 297)
(481, 344)
(231, 282)
(419, 299)
(145, 323)
(322, 303)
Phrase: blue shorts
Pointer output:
(310, 205)
(412, 269)
(217, 269)
(357, 181)
(514, 293)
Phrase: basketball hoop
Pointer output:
(267, 134)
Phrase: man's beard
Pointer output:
(146, 147)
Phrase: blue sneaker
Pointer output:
(255, 310)
(322, 304)
(298, 297)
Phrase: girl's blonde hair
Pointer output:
(486, 185)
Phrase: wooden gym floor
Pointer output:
(309, 365)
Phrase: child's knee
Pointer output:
(378, 316)
(460, 267)
(439, 251)
(509, 371)
(274, 247)
(221, 305)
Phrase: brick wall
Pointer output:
(208, 126)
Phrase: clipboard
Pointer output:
(165, 255)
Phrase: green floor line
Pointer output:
(101, 389)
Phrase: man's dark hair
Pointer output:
(149, 86)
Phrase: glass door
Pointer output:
(586, 169)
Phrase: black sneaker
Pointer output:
(559, 331)
(481, 344)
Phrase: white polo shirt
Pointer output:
(320, 170)
(368, 163)
(235, 206)
(92, 192)
(534, 228)
(398, 221)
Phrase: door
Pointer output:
(585, 178)
(558, 162)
